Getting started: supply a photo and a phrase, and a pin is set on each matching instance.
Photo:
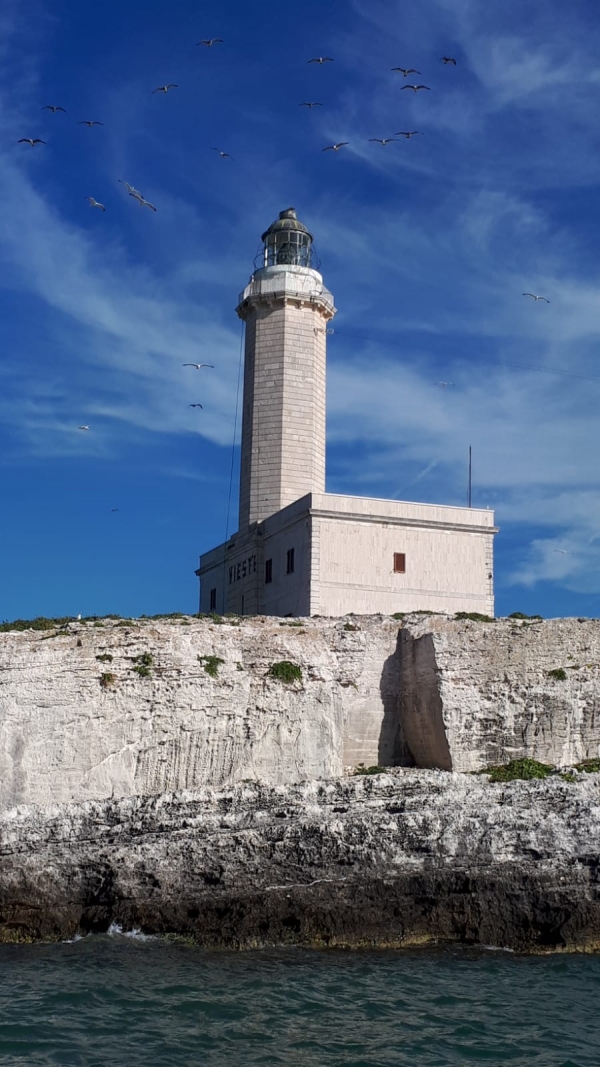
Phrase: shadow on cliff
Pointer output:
(392, 750)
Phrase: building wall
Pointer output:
(283, 421)
(448, 554)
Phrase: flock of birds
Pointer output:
(310, 104)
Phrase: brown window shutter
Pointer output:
(399, 563)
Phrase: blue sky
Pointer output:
(426, 244)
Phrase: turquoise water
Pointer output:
(119, 1002)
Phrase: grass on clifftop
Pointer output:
(523, 769)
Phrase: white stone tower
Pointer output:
(286, 309)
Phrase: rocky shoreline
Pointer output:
(393, 859)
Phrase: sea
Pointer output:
(124, 1001)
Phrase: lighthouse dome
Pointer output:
(287, 241)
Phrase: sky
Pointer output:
(427, 245)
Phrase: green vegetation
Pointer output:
(558, 673)
(350, 626)
(590, 766)
(40, 623)
(105, 657)
(399, 615)
(295, 622)
(523, 769)
(239, 666)
(521, 615)
(361, 769)
(144, 672)
(144, 659)
(107, 679)
(211, 664)
(285, 671)
(474, 616)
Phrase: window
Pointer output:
(268, 571)
(213, 600)
(290, 561)
(242, 607)
(399, 563)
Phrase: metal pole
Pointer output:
(469, 487)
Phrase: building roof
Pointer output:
(288, 220)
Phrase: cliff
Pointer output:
(143, 707)
(126, 708)
(394, 859)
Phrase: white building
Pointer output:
(300, 550)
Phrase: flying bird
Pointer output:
(130, 189)
(407, 133)
(52, 108)
(382, 140)
(444, 384)
(145, 203)
(165, 88)
(321, 60)
(561, 551)
(195, 405)
(210, 41)
(415, 88)
(534, 297)
(113, 509)
(448, 59)
(198, 365)
(313, 103)
(90, 122)
(30, 140)
(95, 203)
(405, 71)
(83, 427)
(335, 147)
(223, 155)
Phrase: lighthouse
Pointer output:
(286, 309)
(299, 550)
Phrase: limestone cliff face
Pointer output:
(397, 858)
(473, 694)
(430, 691)
(67, 733)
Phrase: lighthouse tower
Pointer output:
(286, 308)
(301, 551)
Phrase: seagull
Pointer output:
(335, 147)
(88, 122)
(444, 384)
(195, 405)
(198, 365)
(382, 140)
(448, 59)
(405, 71)
(415, 88)
(534, 297)
(145, 203)
(407, 133)
(95, 203)
(52, 108)
(113, 509)
(561, 551)
(83, 427)
(212, 40)
(321, 60)
(31, 140)
(79, 617)
(165, 88)
(314, 103)
(223, 155)
(131, 189)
